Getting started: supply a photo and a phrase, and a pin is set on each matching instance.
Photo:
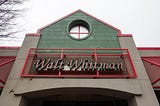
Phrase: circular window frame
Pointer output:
(81, 23)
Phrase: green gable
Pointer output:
(56, 35)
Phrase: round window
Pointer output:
(79, 29)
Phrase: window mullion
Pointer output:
(79, 31)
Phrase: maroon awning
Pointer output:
(6, 63)
(152, 65)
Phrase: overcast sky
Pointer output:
(141, 18)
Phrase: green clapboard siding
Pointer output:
(56, 36)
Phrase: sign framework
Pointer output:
(79, 63)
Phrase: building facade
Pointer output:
(79, 60)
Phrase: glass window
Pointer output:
(79, 32)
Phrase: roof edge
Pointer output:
(32, 34)
(10, 47)
(124, 35)
(148, 48)
(38, 31)
(79, 10)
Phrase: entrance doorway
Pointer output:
(87, 103)
(77, 97)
